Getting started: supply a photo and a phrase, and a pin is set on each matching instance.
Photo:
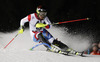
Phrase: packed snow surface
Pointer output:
(18, 50)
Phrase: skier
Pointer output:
(38, 23)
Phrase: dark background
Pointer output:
(12, 11)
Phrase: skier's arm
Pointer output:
(22, 22)
(47, 21)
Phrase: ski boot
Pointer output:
(56, 50)
(65, 48)
(53, 49)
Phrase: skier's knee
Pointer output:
(42, 39)
(39, 35)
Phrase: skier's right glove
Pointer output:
(21, 30)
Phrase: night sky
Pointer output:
(12, 11)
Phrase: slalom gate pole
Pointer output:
(11, 40)
(40, 44)
(70, 21)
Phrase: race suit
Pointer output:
(33, 20)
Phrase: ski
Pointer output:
(55, 49)
(66, 53)
(58, 52)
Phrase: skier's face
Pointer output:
(42, 15)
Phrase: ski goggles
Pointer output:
(43, 14)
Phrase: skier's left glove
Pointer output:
(41, 25)
(21, 30)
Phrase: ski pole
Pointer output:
(70, 21)
(11, 40)
(43, 25)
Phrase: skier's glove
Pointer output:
(41, 25)
(21, 30)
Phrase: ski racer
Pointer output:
(38, 23)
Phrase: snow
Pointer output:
(18, 50)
